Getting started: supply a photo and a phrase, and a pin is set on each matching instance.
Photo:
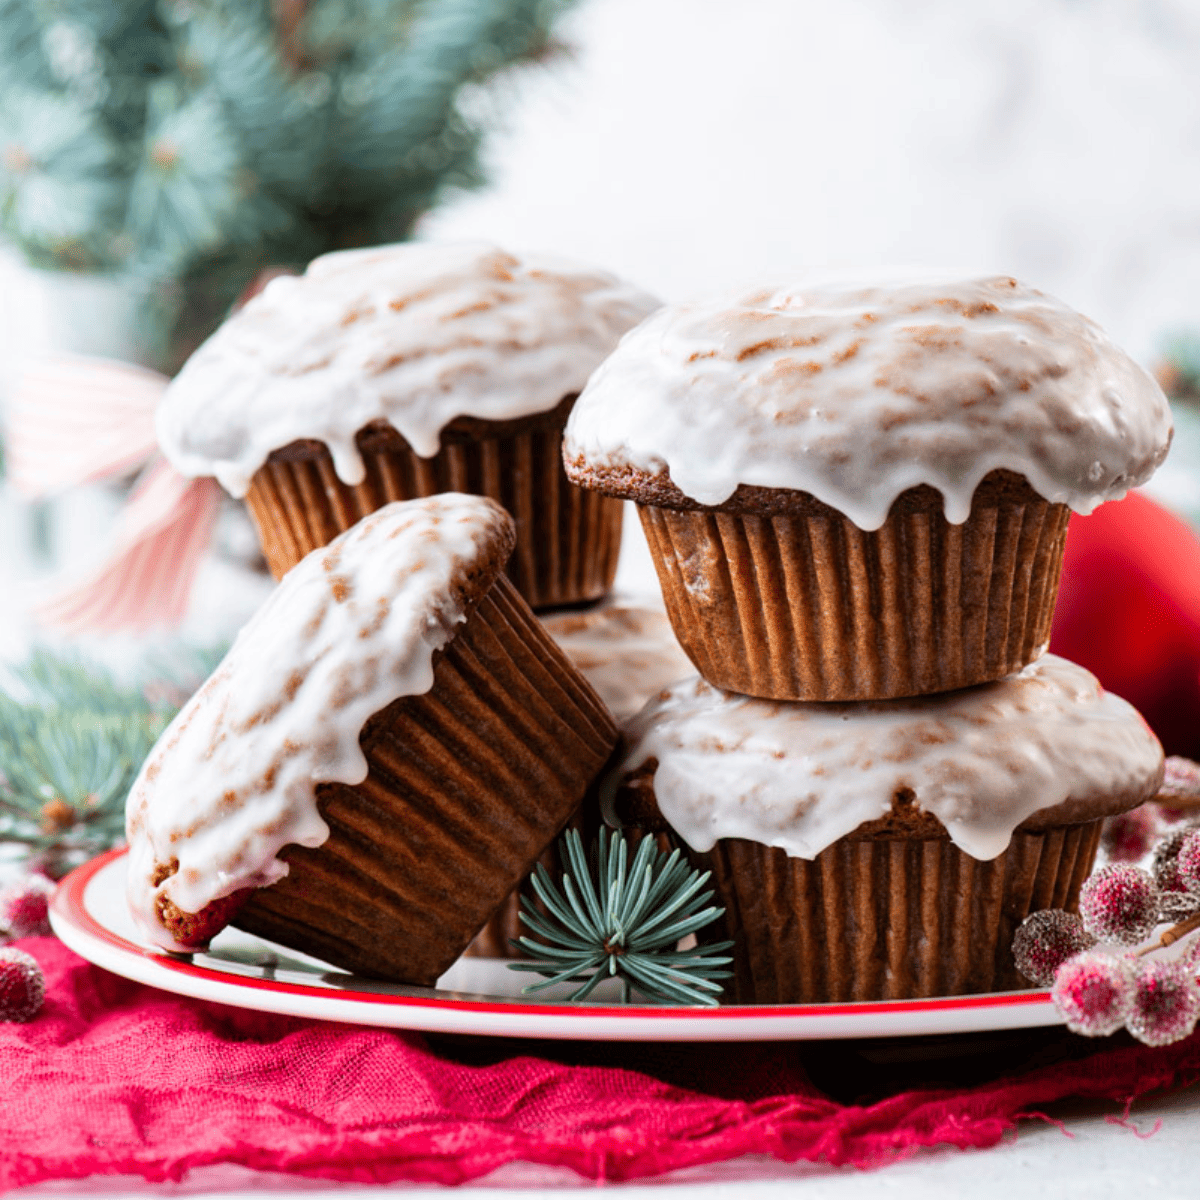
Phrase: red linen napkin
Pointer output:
(114, 1077)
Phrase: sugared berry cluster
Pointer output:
(24, 907)
(24, 912)
(1100, 990)
(22, 985)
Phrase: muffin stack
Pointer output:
(856, 497)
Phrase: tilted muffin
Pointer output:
(858, 491)
(627, 653)
(403, 371)
(385, 751)
(885, 849)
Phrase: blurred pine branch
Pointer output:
(72, 740)
(185, 144)
(1179, 371)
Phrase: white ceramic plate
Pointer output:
(478, 996)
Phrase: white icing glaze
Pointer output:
(350, 628)
(855, 393)
(416, 334)
(625, 652)
(800, 776)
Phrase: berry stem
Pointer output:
(1179, 803)
(1172, 935)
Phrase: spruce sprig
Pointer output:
(72, 740)
(1180, 371)
(625, 920)
(179, 147)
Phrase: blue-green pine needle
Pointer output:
(618, 918)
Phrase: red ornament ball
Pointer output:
(22, 985)
(1165, 1002)
(1187, 862)
(1045, 941)
(24, 907)
(1129, 835)
(1120, 904)
(1093, 992)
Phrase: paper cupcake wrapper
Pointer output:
(568, 539)
(468, 785)
(886, 919)
(495, 939)
(810, 607)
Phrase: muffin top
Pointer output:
(854, 393)
(1047, 741)
(626, 652)
(351, 627)
(414, 335)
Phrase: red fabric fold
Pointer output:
(114, 1077)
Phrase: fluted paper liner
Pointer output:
(504, 926)
(886, 918)
(468, 785)
(804, 606)
(568, 539)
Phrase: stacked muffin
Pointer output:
(856, 497)
(405, 371)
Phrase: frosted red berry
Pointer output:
(1045, 940)
(1187, 862)
(22, 985)
(1093, 992)
(1120, 904)
(1129, 836)
(1164, 1002)
(1179, 900)
(24, 907)
(1181, 780)
(1168, 846)
(1181, 783)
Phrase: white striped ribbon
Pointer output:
(77, 420)
(74, 420)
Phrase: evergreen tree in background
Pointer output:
(185, 144)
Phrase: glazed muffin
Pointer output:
(384, 752)
(861, 492)
(885, 849)
(627, 653)
(403, 371)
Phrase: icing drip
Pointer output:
(414, 334)
(857, 393)
(626, 653)
(800, 776)
(349, 629)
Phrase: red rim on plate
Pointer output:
(79, 918)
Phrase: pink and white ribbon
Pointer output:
(76, 420)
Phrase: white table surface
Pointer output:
(1157, 1153)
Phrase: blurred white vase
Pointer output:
(60, 312)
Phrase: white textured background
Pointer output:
(692, 143)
